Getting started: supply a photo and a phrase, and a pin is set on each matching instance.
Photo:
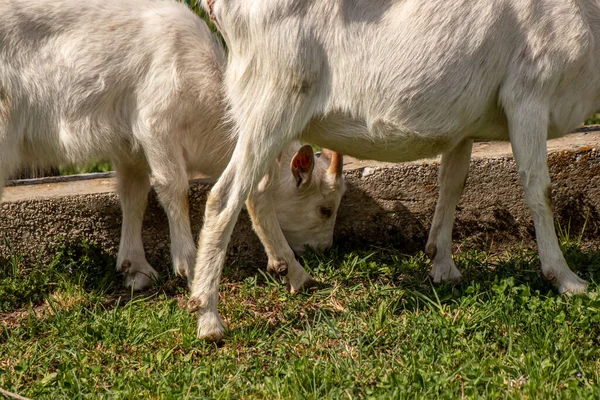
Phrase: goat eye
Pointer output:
(326, 212)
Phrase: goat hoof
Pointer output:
(445, 272)
(309, 286)
(570, 284)
(211, 327)
(139, 281)
(312, 285)
(138, 274)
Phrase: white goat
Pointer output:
(400, 80)
(140, 82)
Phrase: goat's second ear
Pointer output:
(302, 165)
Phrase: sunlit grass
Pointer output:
(379, 329)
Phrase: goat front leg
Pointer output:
(281, 257)
(223, 206)
(133, 185)
(452, 177)
(171, 185)
(528, 125)
(256, 149)
(174, 198)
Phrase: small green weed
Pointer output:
(594, 120)
(98, 166)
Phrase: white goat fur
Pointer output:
(400, 80)
(140, 82)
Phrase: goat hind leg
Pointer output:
(528, 124)
(452, 176)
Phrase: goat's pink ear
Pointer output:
(302, 165)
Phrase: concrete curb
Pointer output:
(385, 205)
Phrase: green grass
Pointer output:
(75, 264)
(594, 120)
(379, 330)
(96, 166)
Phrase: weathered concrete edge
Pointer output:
(390, 206)
(585, 137)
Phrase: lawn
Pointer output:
(379, 329)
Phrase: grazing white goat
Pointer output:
(400, 80)
(140, 82)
